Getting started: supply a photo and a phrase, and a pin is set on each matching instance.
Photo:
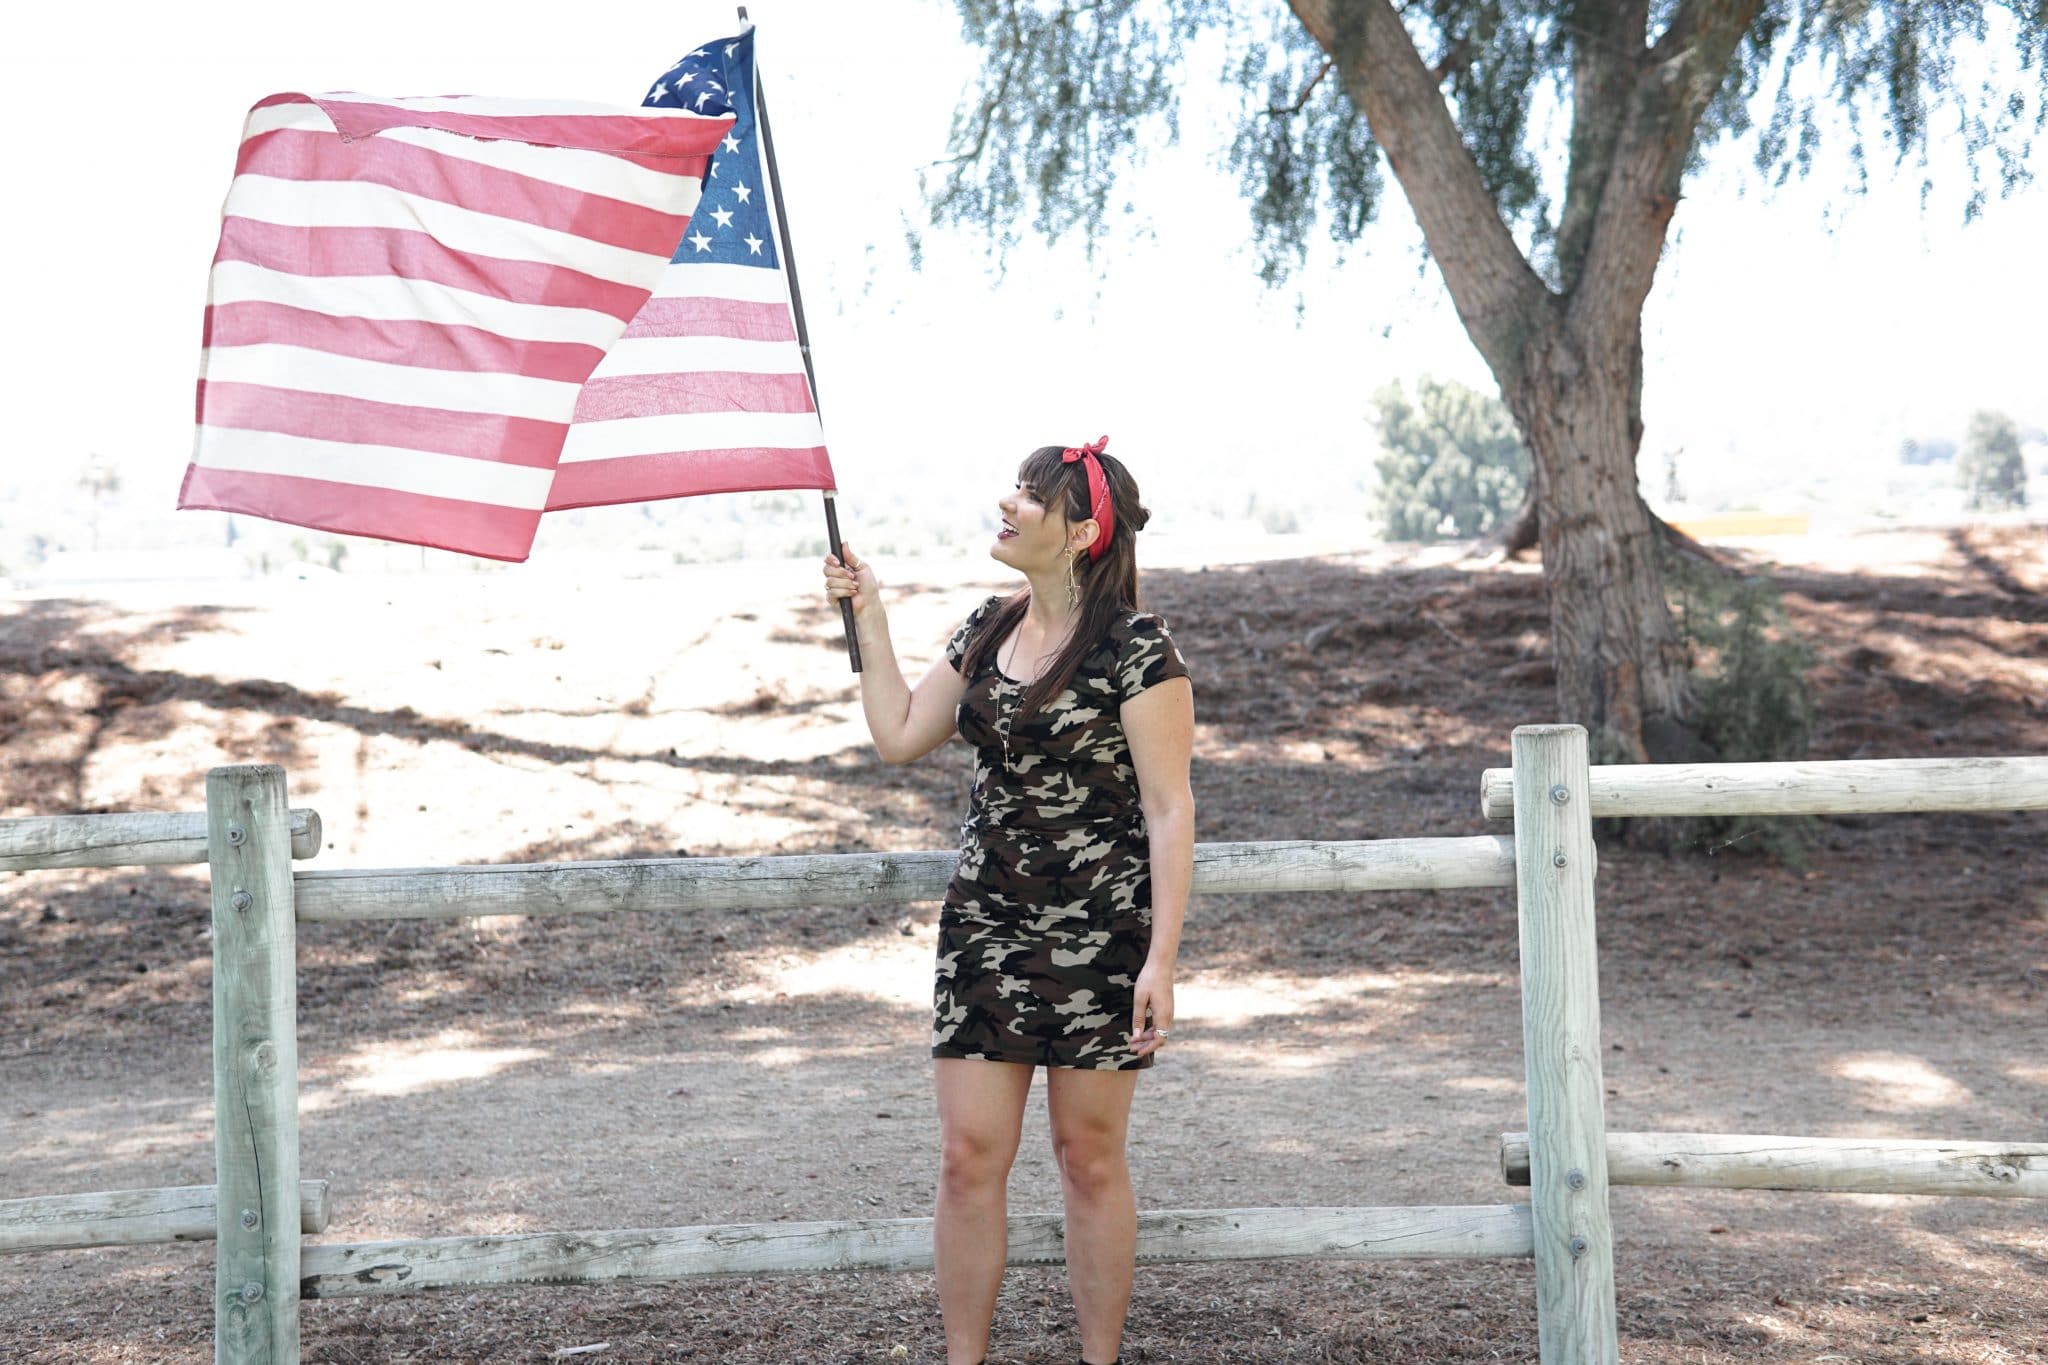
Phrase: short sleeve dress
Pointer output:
(1048, 916)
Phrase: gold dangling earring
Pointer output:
(1073, 583)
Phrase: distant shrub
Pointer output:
(1933, 450)
(1451, 464)
(1274, 518)
(1751, 699)
(1990, 468)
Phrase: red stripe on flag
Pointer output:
(298, 154)
(710, 317)
(428, 345)
(640, 478)
(363, 421)
(663, 395)
(418, 256)
(412, 518)
(669, 139)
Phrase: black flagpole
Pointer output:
(803, 337)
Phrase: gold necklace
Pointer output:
(1006, 719)
(1009, 689)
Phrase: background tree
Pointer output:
(1547, 244)
(1990, 467)
(102, 482)
(1449, 464)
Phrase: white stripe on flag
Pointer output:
(389, 298)
(693, 355)
(302, 114)
(336, 203)
(591, 172)
(496, 107)
(294, 367)
(682, 433)
(369, 466)
(747, 283)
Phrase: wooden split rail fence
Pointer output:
(258, 1210)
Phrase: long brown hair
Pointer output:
(1108, 585)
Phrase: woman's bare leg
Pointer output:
(981, 1111)
(1091, 1112)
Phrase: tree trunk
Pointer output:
(1619, 661)
(1520, 533)
(1568, 358)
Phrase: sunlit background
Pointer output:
(1796, 339)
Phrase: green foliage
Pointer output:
(1068, 98)
(1072, 93)
(1751, 700)
(1317, 161)
(1990, 467)
(1452, 464)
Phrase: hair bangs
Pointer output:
(1052, 479)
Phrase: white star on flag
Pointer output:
(700, 241)
(742, 193)
(753, 244)
(724, 217)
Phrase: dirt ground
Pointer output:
(505, 1075)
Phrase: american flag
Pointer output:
(707, 391)
(408, 296)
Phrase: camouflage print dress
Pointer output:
(1048, 917)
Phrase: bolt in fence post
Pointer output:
(255, 1068)
(1554, 866)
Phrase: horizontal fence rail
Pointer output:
(1841, 787)
(781, 883)
(129, 839)
(119, 1218)
(1743, 1161)
(1422, 1232)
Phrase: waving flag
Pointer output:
(707, 391)
(408, 296)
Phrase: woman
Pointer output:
(1062, 921)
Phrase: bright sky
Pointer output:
(1772, 342)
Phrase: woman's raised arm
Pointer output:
(906, 723)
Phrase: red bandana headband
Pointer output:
(1100, 506)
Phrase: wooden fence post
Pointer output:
(1554, 866)
(255, 1068)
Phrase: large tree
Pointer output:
(1489, 112)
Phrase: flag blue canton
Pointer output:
(731, 225)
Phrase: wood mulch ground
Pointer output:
(506, 1075)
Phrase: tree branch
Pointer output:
(1608, 49)
(1671, 92)
(1456, 55)
(1274, 111)
(1498, 296)
(989, 106)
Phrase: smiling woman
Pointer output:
(1063, 918)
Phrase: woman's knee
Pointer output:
(1092, 1162)
(974, 1161)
